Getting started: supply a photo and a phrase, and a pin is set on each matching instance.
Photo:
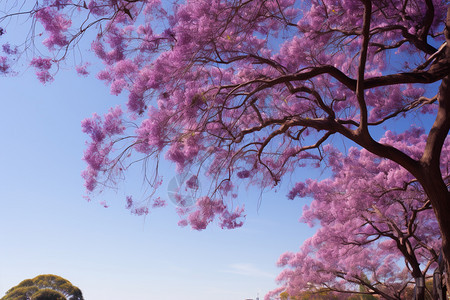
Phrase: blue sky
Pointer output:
(46, 227)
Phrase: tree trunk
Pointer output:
(419, 289)
(431, 178)
(441, 209)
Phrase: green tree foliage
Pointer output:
(48, 294)
(44, 287)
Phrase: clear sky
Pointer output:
(46, 227)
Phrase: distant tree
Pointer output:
(20, 292)
(44, 287)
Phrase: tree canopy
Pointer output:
(44, 287)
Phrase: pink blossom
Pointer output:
(183, 223)
(232, 220)
(129, 202)
(192, 182)
(4, 65)
(9, 50)
(159, 203)
(82, 69)
(56, 24)
(243, 174)
(117, 86)
(140, 211)
(42, 66)
(101, 132)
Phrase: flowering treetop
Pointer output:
(251, 91)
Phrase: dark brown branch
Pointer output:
(362, 66)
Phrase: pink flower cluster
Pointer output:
(4, 65)
(42, 66)
(207, 209)
(101, 132)
(56, 25)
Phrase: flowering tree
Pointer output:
(373, 217)
(253, 90)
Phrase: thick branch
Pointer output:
(435, 73)
(362, 66)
